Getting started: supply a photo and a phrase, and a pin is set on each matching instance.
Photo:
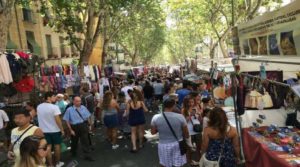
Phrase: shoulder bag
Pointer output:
(182, 143)
(85, 121)
(196, 127)
(19, 138)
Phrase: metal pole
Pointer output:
(269, 61)
(237, 116)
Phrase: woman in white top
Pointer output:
(192, 114)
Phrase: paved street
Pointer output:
(121, 157)
(106, 157)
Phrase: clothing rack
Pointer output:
(271, 81)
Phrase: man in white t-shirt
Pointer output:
(50, 123)
(126, 88)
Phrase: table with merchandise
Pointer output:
(271, 146)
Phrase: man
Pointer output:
(61, 103)
(186, 89)
(88, 101)
(77, 118)
(50, 123)
(158, 90)
(24, 129)
(148, 94)
(203, 90)
(3, 123)
(168, 147)
(128, 86)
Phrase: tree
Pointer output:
(6, 7)
(87, 21)
(212, 20)
(144, 37)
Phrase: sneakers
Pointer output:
(115, 146)
(60, 164)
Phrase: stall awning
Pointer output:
(11, 45)
(35, 48)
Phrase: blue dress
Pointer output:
(136, 117)
(214, 150)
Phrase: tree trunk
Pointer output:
(5, 20)
(104, 52)
(223, 48)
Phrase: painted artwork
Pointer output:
(263, 50)
(273, 45)
(287, 43)
(254, 46)
(246, 47)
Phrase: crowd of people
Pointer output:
(191, 128)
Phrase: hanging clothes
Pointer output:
(25, 85)
(5, 72)
(93, 78)
(86, 71)
(15, 67)
(103, 85)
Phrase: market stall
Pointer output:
(268, 60)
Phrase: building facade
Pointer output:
(29, 32)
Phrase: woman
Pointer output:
(192, 114)
(136, 119)
(33, 151)
(31, 107)
(111, 108)
(220, 139)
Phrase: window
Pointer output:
(62, 48)
(31, 43)
(27, 15)
(49, 45)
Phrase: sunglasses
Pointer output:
(44, 148)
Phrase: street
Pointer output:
(121, 157)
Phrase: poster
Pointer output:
(274, 33)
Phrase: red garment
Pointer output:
(25, 85)
(23, 55)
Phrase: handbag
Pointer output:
(252, 99)
(267, 100)
(196, 127)
(204, 162)
(182, 143)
